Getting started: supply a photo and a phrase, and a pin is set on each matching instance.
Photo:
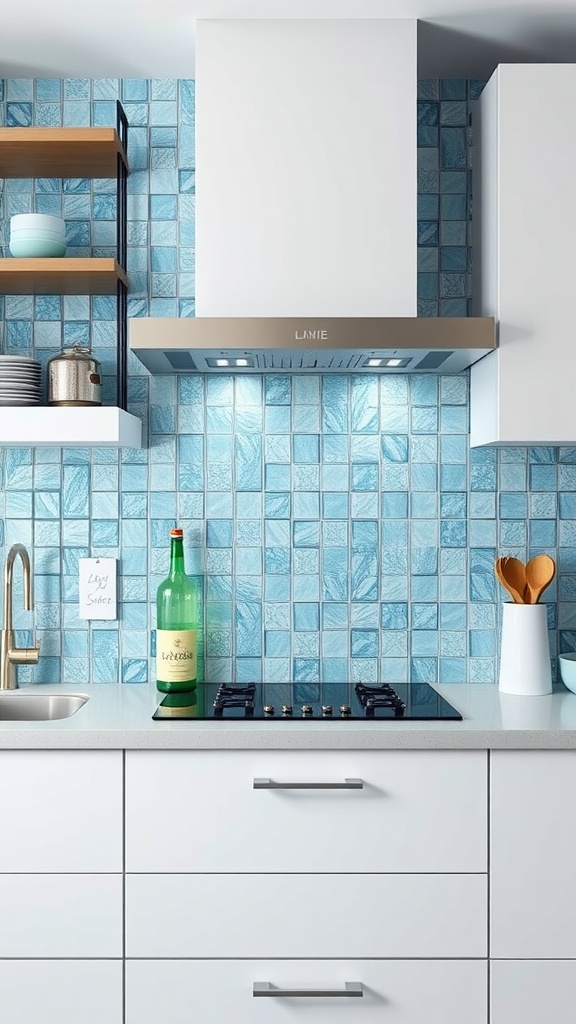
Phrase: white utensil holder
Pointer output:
(525, 652)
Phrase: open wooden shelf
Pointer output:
(43, 426)
(59, 152)
(60, 276)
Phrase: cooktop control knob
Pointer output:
(286, 709)
(326, 710)
(306, 710)
(345, 710)
(268, 710)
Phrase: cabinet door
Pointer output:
(60, 992)
(533, 991)
(306, 915)
(61, 810)
(397, 992)
(199, 811)
(533, 866)
(60, 916)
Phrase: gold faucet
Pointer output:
(10, 655)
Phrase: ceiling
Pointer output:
(155, 38)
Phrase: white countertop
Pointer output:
(120, 717)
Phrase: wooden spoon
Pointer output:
(512, 575)
(540, 571)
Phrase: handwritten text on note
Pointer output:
(97, 588)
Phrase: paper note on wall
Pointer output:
(97, 588)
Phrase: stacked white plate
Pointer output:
(20, 381)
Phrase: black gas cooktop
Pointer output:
(317, 702)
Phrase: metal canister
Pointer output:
(74, 378)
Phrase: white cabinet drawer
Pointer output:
(61, 810)
(533, 891)
(397, 992)
(60, 992)
(60, 915)
(199, 811)
(533, 991)
(306, 916)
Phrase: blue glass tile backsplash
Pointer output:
(339, 524)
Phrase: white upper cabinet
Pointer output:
(524, 224)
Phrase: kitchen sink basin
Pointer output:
(39, 707)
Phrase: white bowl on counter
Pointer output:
(567, 665)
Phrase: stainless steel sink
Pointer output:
(39, 707)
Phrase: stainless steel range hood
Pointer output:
(305, 208)
(335, 345)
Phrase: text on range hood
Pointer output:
(331, 345)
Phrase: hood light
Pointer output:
(229, 362)
(381, 361)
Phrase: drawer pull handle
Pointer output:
(352, 989)
(271, 784)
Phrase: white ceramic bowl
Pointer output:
(36, 248)
(567, 663)
(41, 221)
(37, 236)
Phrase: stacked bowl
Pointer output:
(20, 381)
(34, 235)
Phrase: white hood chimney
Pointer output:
(306, 168)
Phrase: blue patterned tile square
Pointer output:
(513, 505)
(428, 263)
(513, 534)
(453, 478)
(543, 505)
(428, 233)
(394, 505)
(424, 448)
(424, 505)
(424, 390)
(453, 505)
(334, 505)
(482, 532)
(453, 534)
(18, 115)
(427, 136)
(542, 533)
(453, 149)
(454, 181)
(424, 477)
(453, 88)
(424, 420)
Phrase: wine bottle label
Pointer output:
(176, 655)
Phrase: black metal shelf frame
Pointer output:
(121, 255)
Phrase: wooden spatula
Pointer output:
(512, 575)
(540, 571)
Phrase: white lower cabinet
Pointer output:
(60, 916)
(532, 867)
(269, 810)
(61, 992)
(533, 991)
(306, 916)
(61, 810)
(221, 992)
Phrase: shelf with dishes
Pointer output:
(73, 417)
(42, 426)
(39, 267)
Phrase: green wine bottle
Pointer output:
(177, 607)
